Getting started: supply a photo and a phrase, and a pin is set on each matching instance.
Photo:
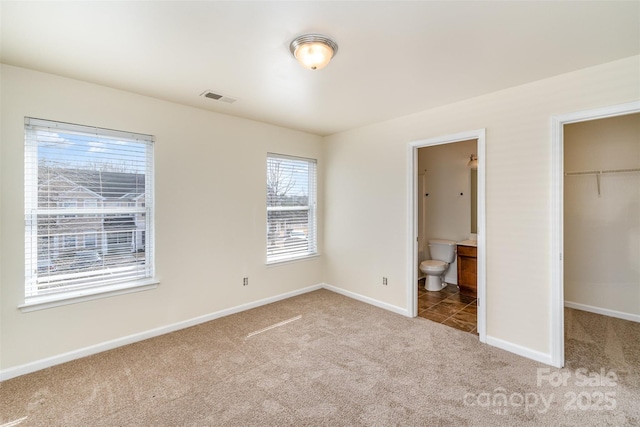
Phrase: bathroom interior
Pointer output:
(447, 234)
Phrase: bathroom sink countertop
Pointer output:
(473, 243)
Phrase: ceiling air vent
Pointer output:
(218, 97)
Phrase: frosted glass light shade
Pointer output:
(313, 51)
(473, 162)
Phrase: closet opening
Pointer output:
(596, 234)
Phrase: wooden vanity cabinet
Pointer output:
(468, 270)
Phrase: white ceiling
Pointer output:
(395, 58)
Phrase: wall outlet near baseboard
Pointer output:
(384, 281)
(245, 281)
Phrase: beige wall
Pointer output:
(367, 207)
(602, 233)
(210, 214)
(216, 164)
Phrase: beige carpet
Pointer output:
(342, 363)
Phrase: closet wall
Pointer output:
(602, 227)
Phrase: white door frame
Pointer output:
(557, 214)
(412, 197)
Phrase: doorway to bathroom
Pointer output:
(596, 234)
(443, 202)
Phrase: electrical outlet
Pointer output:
(384, 281)
(245, 281)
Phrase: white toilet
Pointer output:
(443, 253)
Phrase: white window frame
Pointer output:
(36, 299)
(311, 207)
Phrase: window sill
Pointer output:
(292, 260)
(50, 301)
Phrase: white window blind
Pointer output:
(88, 208)
(291, 208)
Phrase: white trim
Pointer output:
(481, 236)
(600, 113)
(538, 356)
(604, 311)
(119, 342)
(412, 225)
(57, 300)
(72, 127)
(290, 157)
(290, 261)
(556, 333)
(368, 300)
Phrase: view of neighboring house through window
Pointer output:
(88, 209)
(291, 208)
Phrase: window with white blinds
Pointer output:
(291, 208)
(88, 209)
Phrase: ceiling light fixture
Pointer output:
(473, 162)
(313, 51)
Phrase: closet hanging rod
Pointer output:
(598, 173)
(602, 171)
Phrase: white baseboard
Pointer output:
(603, 311)
(520, 350)
(119, 342)
(371, 301)
(495, 342)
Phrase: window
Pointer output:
(90, 240)
(88, 193)
(291, 208)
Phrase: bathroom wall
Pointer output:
(602, 232)
(447, 213)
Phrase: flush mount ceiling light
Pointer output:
(313, 51)
(473, 162)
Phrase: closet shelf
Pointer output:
(602, 171)
(598, 173)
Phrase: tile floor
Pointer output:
(448, 307)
